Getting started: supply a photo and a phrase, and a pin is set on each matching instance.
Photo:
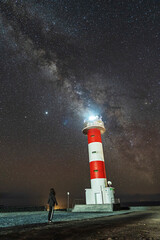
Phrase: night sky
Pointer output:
(60, 62)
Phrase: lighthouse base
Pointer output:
(100, 196)
(93, 208)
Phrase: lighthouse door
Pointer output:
(98, 198)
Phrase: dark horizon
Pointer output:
(12, 200)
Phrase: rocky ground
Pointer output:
(135, 225)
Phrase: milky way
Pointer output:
(62, 61)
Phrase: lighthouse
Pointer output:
(100, 197)
(101, 191)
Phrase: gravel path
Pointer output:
(131, 226)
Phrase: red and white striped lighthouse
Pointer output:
(99, 193)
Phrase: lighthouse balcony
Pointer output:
(94, 124)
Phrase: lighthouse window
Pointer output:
(95, 170)
(94, 152)
(92, 135)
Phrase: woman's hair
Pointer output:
(52, 191)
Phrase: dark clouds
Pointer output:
(72, 58)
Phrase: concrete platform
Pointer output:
(93, 208)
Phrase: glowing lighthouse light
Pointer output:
(91, 118)
(100, 192)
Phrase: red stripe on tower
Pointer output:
(97, 169)
(94, 135)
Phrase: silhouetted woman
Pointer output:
(51, 201)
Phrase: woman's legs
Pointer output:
(50, 212)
